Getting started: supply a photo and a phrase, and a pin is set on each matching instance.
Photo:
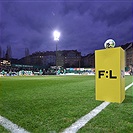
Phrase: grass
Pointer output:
(2, 130)
(50, 104)
(116, 118)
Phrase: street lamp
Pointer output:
(56, 38)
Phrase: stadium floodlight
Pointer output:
(56, 35)
(56, 38)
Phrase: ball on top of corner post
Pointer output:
(110, 43)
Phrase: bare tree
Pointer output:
(8, 54)
(0, 52)
(26, 52)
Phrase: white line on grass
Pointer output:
(128, 86)
(85, 119)
(13, 128)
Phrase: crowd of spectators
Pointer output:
(131, 70)
(18, 71)
(14, 71)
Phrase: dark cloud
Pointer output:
(113, 13)
(84, 26)
(23, 17)
(71, 7)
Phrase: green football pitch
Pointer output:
(49, 104)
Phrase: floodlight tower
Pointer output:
(56, 39)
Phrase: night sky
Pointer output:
(84, 25)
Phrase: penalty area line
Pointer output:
(85, 119)
(13, 128)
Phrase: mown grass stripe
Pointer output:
(85, 119)
(13, 128)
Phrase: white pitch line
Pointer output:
(128, 86)
(13, 128)
(85, 119)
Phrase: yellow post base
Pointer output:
(110, 74)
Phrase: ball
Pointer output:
(110, 43)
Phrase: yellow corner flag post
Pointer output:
(110, 74)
